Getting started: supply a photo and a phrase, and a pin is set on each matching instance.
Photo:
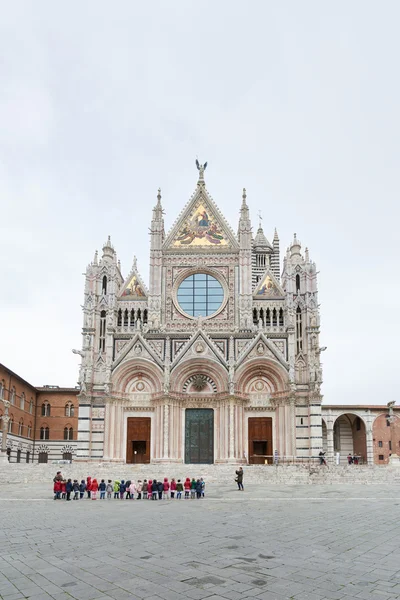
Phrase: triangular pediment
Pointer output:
(268, 287)
(138, 347)
(201, 225)
(133, 287)
(199, 346)
(261, 347)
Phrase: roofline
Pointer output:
(39, 388)
(360, 406)
(17, 376)
(51, 390)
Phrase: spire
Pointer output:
(244, 210)
(295, 247)
(108, 249)
(96, 258)
(158, 212)
(260, 241)
(134, 264)
(275, 258)
(244, 196)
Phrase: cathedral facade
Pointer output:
(217, 360)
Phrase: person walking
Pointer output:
(239, 479)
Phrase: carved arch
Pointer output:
(265, 369)
(129, 371)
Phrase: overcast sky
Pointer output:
(102, 103)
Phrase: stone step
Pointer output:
(223, 474)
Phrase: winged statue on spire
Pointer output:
(201, 169)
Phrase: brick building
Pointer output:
(42, 421)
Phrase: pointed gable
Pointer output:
(201, 225)
(261, 347)
(199, 346)
(138, 347)
(133, 287)
(268, 287)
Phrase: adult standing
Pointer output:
(239, 478)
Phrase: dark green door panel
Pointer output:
(199, 436)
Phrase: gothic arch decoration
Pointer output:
(190, 368)
(43, 448)
(261, 375)
(199, 382)
(67, 449)
(138, 375)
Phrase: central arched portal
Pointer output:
(199, 436)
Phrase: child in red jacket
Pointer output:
(166, 489)
(93, 489)
(63, 489)
(173, 488)
(186, 485)
(57, 489)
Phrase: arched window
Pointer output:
(138, 314)
(132, 317)
(297, 283)
(69, 409)
(20, 427)
(145, 315)
(268, 317)
(12, 396)
(281, 317)
(262, 315)
(102, 340)
(68, 433)
(67, 456)
(2, 389)
(45, 409)
(255, 318)
(126, 318)
(11, 424)
(29, 433)
(104, 285)
(299, 330)
(44, 433)
(119, 318)
(274, 317)
(22, 401)
(28, 456)
(31, 406)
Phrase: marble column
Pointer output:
(231, 432)
(166, 432)
(370, 445)
(329, 442)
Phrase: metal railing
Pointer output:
(271, 460)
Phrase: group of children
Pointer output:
(147, 490)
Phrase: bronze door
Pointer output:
(199, 436)
(138, 440)
(260, 440)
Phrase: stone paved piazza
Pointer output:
(268, 542)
